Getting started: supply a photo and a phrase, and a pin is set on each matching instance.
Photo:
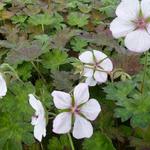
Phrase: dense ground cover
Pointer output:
(41, 44)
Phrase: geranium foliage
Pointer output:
(74, 75)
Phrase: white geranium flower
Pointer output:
(38, 120)
(97, 66)
(3, 86)
(78, 108)
(132, 22)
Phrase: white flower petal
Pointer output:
(107, 65)
(148, 28)
(86, 57)
(61, 100)
(3, 86)
(145, 6)
(91, 81)
(91, 109)
(121, 28)
(38, 120)
(39, 131)
(138, 41)
(62, 123)
(34, 120)
(38, 107)
(99, 55)
(128, 9)
(100, 77)
(81, 93)
(82, 128)
(88, 72)
(33, 102)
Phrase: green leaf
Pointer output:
(98, 141)
(12, 145)
(40, 19)
(123, 114)
(108, 7)
(79, 19)
(118, 91)
(141, 120)
(59, 143)
(2, 6)
(78, 44)
(18, 19)
(43, 92)
(52, 60)
(131, 104)
(15, 116)
(24, 71)
(85, 8)
(42, 37)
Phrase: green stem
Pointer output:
(41, 146)
(144, 74)
(12, 71)
(38, 71)
(52, 114)
(42, 28)
(71, 142)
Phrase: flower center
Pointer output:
(74, 109)
(141, 23)
(96, 65)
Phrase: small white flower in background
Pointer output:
(78, 108)
(97, 66)
(133, 23)
(3, 86)
(38, 119)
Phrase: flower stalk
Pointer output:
(71, 142)
(144, 74)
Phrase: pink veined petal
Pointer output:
(91, 109)
(86, 57)
(88, 72)
(3, 86)
(128, 10)
(138, 41)
(91, 81)
(82, 128)
(62, 123)
(81, 93)
(107, 65)
(120, 27)
(100, 77)
(99, 55)
(61, 100)
(145, 6)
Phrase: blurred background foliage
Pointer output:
(41, 40)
